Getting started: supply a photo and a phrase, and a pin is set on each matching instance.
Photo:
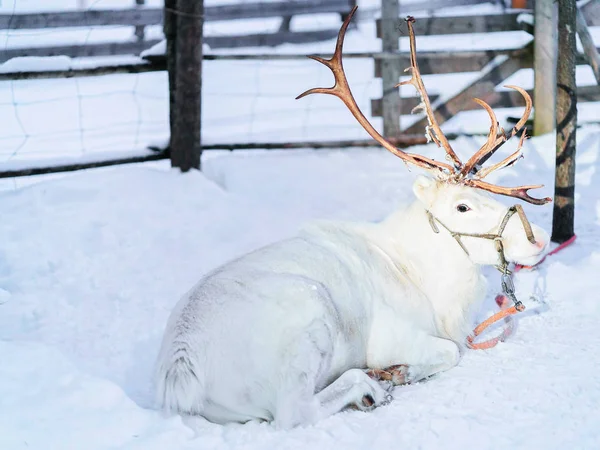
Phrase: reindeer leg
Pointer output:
(352, 389)
(435, 355)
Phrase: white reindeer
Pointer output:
(287, 333)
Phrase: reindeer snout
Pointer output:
(541, 238)
(519, 249)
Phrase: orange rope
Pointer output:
(505, 313)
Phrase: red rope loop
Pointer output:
(505, 312)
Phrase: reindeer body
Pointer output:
(283, 333)
(286, 333)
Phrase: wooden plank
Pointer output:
(260, 10)
(544, 66)
(434, 5)
(406, 106)
(591, 12)
(442, 62)
(140, 67)
(154, 16)
(270, 39)
(589, 49)
(430, 26)
(158, 63)
(500, 99)
(85, 18)
(510, 99)
(483, 87)
(588, 94)
(448, 62)
(79, 51)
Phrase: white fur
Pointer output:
(279, 334)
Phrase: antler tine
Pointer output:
(519, 192)
(500, 140)
(489, 144)
(508, 161)
(341, 90)
(437, 135)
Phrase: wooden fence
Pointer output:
(138, 17)
(493, 66)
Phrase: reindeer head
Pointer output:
(478, 219)
(453, 197)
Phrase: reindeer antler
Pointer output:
(341, 90)
(494, 142)
(433, 130)
(466, 173)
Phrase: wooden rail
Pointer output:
(140, 16)
(154, 16)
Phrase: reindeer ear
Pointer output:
(425, 189)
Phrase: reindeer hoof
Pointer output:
(370, 396)
(367, 401)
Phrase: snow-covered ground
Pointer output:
(92, 263)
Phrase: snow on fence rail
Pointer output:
(140, 17)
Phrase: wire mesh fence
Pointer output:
(244, 101)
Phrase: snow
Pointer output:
(92, 262)
(156, 49)
(525, 18)
(161, 49)
(36, 63)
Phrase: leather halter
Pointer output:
(496, 237)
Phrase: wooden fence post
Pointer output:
(390, 68)
(185, 140)
(566, 124)
(544, 50)
(139, 30)
(170, 31)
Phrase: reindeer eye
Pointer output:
(462, 208)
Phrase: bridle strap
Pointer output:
(525, 222)
(492, 236)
